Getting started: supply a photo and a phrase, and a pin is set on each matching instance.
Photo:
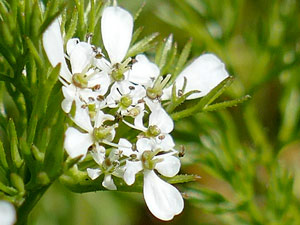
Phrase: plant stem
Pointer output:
(29, 203)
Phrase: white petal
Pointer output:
(166, 143)
(108, 182)
(169, 167)
(101, 117)
(163, 200)
(77, 143)
(132, 168)
(81, 57)
(71, 45)
(143, 72)
(204, 74)
(7, 213)
(139, 122)
(93, 173)
(144, 144)
(162, 120)
(101, 78)
(125, 147)
(53, 45)
(69, 93)
(82, 118)
(103, 65)
(98, 154)
(116, 28)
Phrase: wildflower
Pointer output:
(143, 71)
(82, 82)
(203, 74)
(163, 200)
(77, 143)
(116, 28)
(7, 213)
(107, 166)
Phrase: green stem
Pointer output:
(29, 203)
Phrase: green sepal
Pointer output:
(182, 178)
(142, 46)
(79, 182)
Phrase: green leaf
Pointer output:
(34, 52)
(181, 61)
(142, 46)
(205, 101)
(54, 154)
(226, 104)
(136, 34)
(15, 155)
(17, 182)
(8, 190)
(161, 57)
(72, 26)
(3, 160)
(182, 178)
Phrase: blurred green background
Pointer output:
(248, 156)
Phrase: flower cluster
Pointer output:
(115, 103)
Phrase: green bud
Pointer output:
(92, 110)
(153, 93)
(125, 101)
(147, 161)
(101, 133)
(153, 131)
(80, 80)
(117, 75)
(134, 112)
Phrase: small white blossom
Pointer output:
(107, 167)
(143, 71)
(77, 143)
(162, 199)
(127, 97)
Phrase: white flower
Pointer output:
(127, 97)
(77, 143)
(143, 71)
(160, 123)
(82, 77)
(108, 169)
(203, 74)
(116, 30)
(7, 213)
(162, 199)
